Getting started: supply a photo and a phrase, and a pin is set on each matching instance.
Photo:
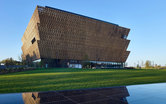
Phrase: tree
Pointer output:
(22, 61)
(9, 61)
(157, 66)
(147, 64)
(138, 67)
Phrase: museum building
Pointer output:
(64, 39)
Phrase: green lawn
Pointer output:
(63, 79)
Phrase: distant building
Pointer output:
(63, 39)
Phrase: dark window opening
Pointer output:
(124, 36)
(33, 96)
(33, 40)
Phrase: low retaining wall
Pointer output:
(6, 71)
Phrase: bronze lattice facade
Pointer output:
(57, 34)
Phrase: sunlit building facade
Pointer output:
(64, 39)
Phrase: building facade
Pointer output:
(60, 39)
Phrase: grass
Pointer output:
(65, 79)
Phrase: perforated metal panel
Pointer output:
(64, 35)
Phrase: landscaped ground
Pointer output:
(64, 79)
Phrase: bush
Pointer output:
(18, 69)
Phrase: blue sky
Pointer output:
(145, 18)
